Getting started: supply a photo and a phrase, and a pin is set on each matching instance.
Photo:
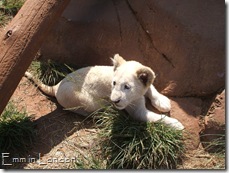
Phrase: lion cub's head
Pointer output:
(131, 80)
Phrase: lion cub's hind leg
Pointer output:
(75, 99)
(159, 101)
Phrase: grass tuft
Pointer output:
(17, 131)
(8, 9)
(130, 144)
(216, 143)
(50, 72)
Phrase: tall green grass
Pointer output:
(129, 144)
(17, 131)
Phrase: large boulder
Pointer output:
(182, 41)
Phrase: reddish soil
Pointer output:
(62, 133)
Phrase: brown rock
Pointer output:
(216, 112)
(182, 41)
(215, 123)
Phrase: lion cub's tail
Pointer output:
(49, 90)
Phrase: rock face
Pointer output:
(215, 124)
(182, 41)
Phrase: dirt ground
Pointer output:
(62, 135)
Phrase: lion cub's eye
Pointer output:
(127, 87)
(114, 83)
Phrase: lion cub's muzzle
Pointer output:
(116, 103)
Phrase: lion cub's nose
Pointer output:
(116, 101)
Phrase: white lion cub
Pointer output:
(126, 83)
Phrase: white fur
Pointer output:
(126, 84)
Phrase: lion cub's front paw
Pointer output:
(162, 103)
(175, 124)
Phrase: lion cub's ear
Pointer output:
(117, 61)
(146, 76)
